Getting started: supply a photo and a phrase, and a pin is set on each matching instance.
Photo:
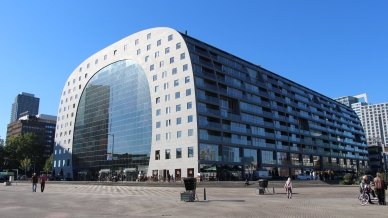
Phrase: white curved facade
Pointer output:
(163, 55)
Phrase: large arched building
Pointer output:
(161, 103)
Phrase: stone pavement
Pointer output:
(62, 200)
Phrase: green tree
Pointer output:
(24, 146)
(48, 165)
(25, 164)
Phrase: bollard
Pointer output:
(204, 194)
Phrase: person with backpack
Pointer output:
(288, 187)
(380, 187)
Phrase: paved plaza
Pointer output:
(89, 200)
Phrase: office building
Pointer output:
(25, 104)
(162, 103)
(41, 125)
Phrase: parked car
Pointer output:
(303, 177)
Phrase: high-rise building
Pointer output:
(162, 103)
(41, 125)
(374, 119)
(25, 104)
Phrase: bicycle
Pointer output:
(364, 196)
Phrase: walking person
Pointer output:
(43, 179)
(34, 179)
(288, 187)
(380, 188)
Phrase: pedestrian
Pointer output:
(43, 179)
(288, 187)
(380, 187)
(34, 179)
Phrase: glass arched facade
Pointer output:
(113, 125)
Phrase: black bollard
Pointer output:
(204, 194)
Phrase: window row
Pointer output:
(179, 134)
(178, 153)
(177, 122)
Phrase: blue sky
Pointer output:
(334, 47)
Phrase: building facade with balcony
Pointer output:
(162, 103)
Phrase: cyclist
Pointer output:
(365, 184)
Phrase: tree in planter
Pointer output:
(25, 164)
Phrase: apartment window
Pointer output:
(178, 107)
(168, 110)
(190, 132)
(125, 48)
(165, 86)
(157, 155)
(177, 95)
(114, 52)
(178, 121)
(178, 134)
(182, 56)
(167, 50)
(190, 118)
(189, 105)
(159, 42)
(185, 67)
(164, 74)
(168, 136)
(105, 57)
(190, 152)
(171, 60)
(157, 100)
(167, 97)
(167, 154)
(138, 52)
(156, 88)
(146, 58)
(156, 54)
(154, 77)
(96, 61)
(188, 92)
(176, 82)
(178, 45)
(158, 112)
(157, 137)
(151, 67)
(136, 41)
(158, 125)
(161, 64)
(168, 123)
(187, 79)
(148, 47)
(174, 71)
(178, 153)
(170, 37)
(149, 36)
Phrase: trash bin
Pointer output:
(263, 183)
(190, 184)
